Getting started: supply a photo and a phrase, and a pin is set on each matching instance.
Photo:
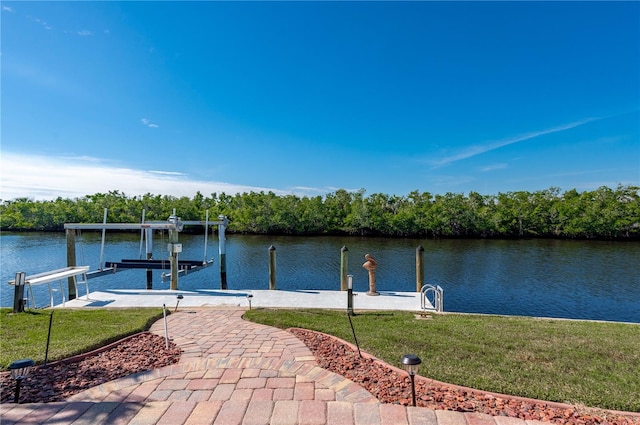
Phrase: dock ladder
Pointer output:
(431, 298)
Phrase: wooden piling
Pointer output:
(419, 268)
(222, 250)
(272, 267)
(18, 294)
(71, 262)
(344, 257)
(173, 258)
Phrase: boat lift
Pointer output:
(174, 225)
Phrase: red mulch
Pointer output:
(60, 380)
(390, 385)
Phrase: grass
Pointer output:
(24, 335)
(586, 363)
(589, 363)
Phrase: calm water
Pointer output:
(569, 279)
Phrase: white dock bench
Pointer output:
(56, 275)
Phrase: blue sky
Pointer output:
(309, 97)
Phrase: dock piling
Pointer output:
(344, 258)
(272, 267)
(18, 293)
(71, 262)
(419, 268)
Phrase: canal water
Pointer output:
(547, 278)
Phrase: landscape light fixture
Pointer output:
(411, 363)
(179, 297)
(249, 296)
(19, 370)
(350, 294)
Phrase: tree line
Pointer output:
(604, 213)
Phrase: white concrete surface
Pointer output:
(408, 301)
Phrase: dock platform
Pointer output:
(121, 298)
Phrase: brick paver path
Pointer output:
(233, 372)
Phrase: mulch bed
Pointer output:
(390, 385)
(59, 380)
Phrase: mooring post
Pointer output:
(71, 262)
(104, 234)
(272, 267)
(148, 233)
(370, 265)
(419, 268)
(344, 257)
(222, 250)
(18, 294)
(174, 248)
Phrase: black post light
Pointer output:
(179, 298)
(411, 363)
(19, 370)
(350, 295)
(249, 297)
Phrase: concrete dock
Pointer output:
(118, 298)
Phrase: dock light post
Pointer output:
(410, 363)
(179, 297)
(19, 370)
(249, 296)
(350, 295)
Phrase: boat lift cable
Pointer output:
(104, 233)
(164, 259)
(80, 237)
(206, 234)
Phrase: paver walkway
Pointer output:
(234, 372)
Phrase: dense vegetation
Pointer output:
(604, 213)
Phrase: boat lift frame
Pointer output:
(174, 225)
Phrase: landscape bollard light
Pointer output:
(350, 295)
(179, 297)
(249, 296)
(19, 370)
(411, 362)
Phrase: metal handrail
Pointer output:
(437, 303)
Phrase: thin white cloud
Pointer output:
(40, 22)
(475, 150)
(166, 173)
(84, 33)
(7, 8)
(46, 178)
(493, 167)
(148, 123)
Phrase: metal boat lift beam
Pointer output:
(154, 264)
(160, 225)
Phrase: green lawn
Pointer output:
(595, 364)
(24, 335)
(591, 363)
